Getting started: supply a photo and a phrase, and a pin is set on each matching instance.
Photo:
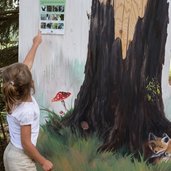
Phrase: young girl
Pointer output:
(23, 116)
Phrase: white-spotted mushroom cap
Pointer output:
(60, 96)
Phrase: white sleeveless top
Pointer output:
(27, 113)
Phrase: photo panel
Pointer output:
(52, 16)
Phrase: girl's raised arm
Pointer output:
(29, 59)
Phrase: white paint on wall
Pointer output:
(166, 88)
(60, 59)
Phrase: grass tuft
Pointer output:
(71, 152)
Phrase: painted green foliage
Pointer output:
(72, 152)
(152, 89)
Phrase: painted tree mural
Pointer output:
(121, 97)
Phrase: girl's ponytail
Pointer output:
(10, 95)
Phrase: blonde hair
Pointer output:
(17, 85)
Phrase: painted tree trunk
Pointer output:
(121, 99)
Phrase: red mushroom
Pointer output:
(60, 96)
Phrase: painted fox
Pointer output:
(167, 154)
(157, 149)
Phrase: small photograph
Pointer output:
(43, 8)
(43, 16)
(49, 25)
(51, 17)
(54, 17)
(61, 8)
(56, 8)
(49, 8)
(60, 26)
(47, 16)
(60, 17)
(55, 26)
(43, 25)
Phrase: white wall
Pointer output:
(166, 88)
(60, 59)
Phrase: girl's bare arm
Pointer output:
(29, 59)
(31, 150)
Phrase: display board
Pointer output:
(52, 16)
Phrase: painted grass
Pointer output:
(69, 152)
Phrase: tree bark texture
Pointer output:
(113, 97)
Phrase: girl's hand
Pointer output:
(47, 165)
(37, 39)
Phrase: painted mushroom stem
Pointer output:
(63, 103)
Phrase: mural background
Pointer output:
(60, 60)
(59, 66)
